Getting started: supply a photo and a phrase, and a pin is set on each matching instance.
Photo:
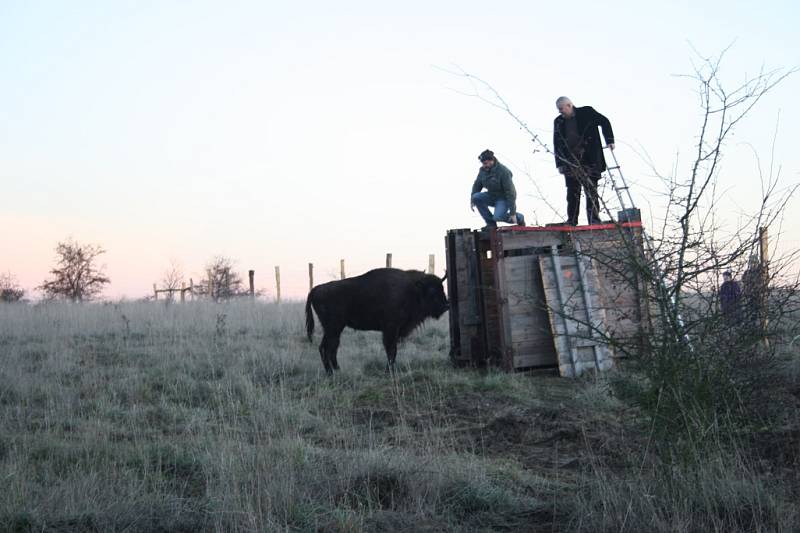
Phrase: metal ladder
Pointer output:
(618, 189)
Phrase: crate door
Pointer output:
(577, 317)
(466, 325)
(526, 338)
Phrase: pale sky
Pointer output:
(282, 134)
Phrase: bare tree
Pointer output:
(10, 290)
(76, 276)
(173, 277)
(222, 282)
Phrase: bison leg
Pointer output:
(390, 344)
(333, 349)
(323, 354)
(328, 349)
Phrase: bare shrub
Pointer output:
(76, 276)
(173, 276)
(222, 282)
(10, 290)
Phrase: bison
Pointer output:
(388, 300)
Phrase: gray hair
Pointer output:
(562, 100)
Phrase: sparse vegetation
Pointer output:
(222, 281)
(148, 417)
(10, 290)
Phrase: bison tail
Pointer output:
(309, 319)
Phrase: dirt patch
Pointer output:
(382, 490)
(511, 428)
(778, 449)
(399, 522)
(537, 437)
(376, 419)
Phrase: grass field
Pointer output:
(203, 417)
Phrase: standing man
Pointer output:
(730, 296)
(500, 193)
(579, 155)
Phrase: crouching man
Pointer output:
(499, 194)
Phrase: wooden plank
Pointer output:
(452, 294)
(521, 269)
(558, 313)
(278, 284)
(532, 359)
(503, 310)
(544, 347)
(489, 299)
(467, 337)
(521, 240)
(601, 354)
(467, 317)
(531, 325)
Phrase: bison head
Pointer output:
(433, 299)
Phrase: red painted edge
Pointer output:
(591, 227)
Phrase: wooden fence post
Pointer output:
(341, 268)
(763, 283)
(389, 260)
(191, 288)
(252, 275)
(183, 291)
(155, 292)
(310, 276)
(210, 286)
(431, 264)
(278, 284)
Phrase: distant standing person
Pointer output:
(579, 155)
(500, 193)
(730, 298)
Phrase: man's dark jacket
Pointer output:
(591, 151)
(497, 181)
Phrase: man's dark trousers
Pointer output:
(586, 179)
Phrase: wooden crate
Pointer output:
(553, 297)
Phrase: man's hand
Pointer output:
(513, 218)
(611, 145)
(471, 205)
